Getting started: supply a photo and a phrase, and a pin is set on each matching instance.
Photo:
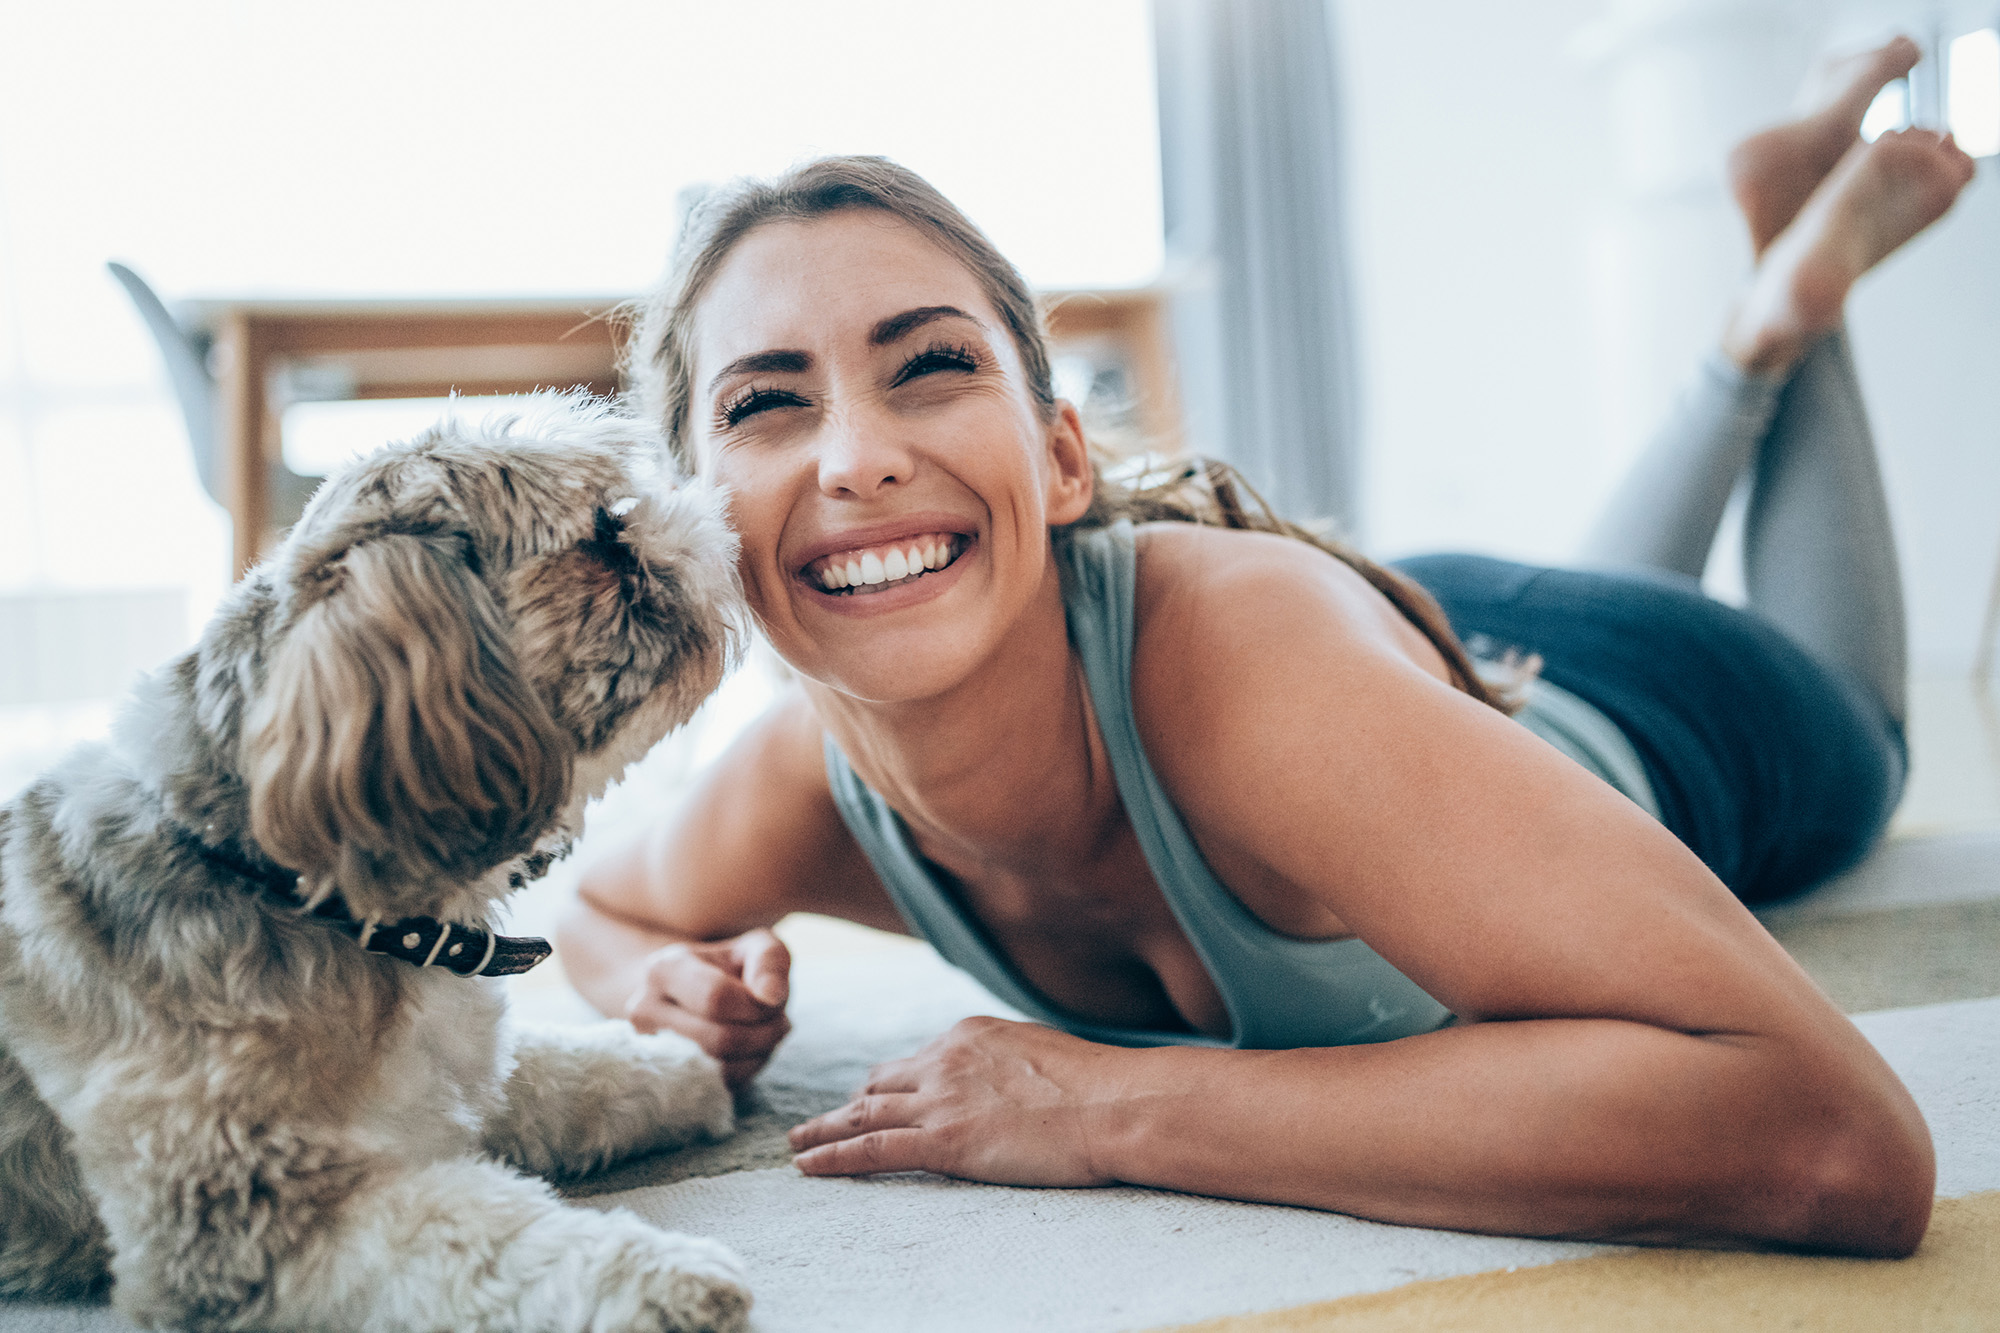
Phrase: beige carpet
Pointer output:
(911, 1253)
(1917, 923)
(1913, 955)
(918, 1253)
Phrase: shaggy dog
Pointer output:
(253, 1070)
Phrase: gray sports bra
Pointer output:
(1280, 992)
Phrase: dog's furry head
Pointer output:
(464, 639)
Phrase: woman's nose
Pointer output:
(860, 458)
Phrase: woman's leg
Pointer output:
(1783, 401)
(1666, 513)
(1819, 557)
(1776, 769)
(1818, 552)
(1773, 740)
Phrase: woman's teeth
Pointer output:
(879, 566)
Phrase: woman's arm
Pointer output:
(1576, 1128)
(1637, 1058)
(672, 929)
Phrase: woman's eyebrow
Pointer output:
(885, 332)
(896, 326)
(762, 363)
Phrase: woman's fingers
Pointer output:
(728, 997)
(894, 1076)
(861, 1116)
(881, 1150)
(724, 1041)
(741, 1049)
(764, 964)
(731, 1041)
(736, 1073)
(704, 981)
(869, 1134)
(990, 1100)
(653, 1012)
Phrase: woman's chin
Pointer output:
(881, 661)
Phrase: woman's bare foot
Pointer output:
(1880, 196)
(1773, 173)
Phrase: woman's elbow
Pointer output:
(1868, 1183)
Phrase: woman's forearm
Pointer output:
(1560, 1127)
(605, 955)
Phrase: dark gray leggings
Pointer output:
(1773, 735)
(1819, 558)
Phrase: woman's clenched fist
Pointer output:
(728, 997)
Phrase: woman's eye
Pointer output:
(752, 401)
(934, 359)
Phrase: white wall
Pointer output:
(1927, 341)
(1475, 160)
(1543, 246)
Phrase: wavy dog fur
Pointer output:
(224, 1115)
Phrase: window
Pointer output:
(1970, 105)
(450, 148)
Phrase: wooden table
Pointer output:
(269, 353)
(381, 349)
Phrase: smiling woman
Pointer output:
(1305, 916)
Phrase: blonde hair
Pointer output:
(659, 366)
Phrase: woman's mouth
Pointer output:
(874, 569)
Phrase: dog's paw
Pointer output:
(581, 1098)
(660, 1282)
(692, 1102)
(693, 1287)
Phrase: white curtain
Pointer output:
(1251, 185)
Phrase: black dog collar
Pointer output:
(420, 940)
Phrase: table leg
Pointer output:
(241, 386)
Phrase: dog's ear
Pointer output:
(397, 742)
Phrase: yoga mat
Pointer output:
(1952, 1283)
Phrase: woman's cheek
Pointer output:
(757, 548)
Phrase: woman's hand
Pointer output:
(728, 997)
(1006, 1103)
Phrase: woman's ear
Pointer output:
(396, 743)
(1070, 486)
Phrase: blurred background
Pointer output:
(1509, 239)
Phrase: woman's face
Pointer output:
(890, 475)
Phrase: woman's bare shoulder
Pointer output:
(1296, 740)
(1243, 638)
(1204, 591)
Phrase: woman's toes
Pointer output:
(1774, 172)
(1850, 83)
(1880, 197)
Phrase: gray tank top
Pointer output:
(1280, 993)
